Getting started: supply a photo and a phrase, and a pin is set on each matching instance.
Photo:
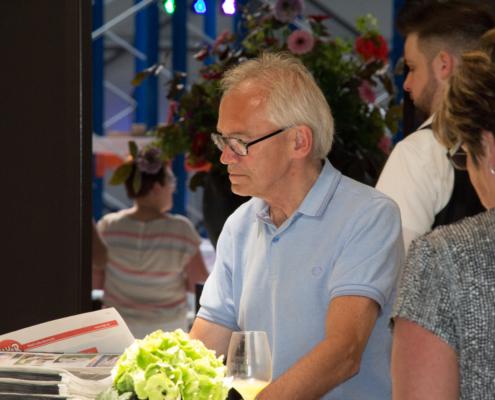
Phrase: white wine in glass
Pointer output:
(249, 364)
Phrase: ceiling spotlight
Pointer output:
(228, 7)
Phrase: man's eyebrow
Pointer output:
(234, 134)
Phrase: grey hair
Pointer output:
(292, 96)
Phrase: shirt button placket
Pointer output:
(276, 239)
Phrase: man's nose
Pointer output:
(407, 83)
(228, 156)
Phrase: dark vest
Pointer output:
(464, 201)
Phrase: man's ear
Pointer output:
(444, 65)
(303, 142)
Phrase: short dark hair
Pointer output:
(147, 182)
(455, 24)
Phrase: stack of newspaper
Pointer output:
(70, 358)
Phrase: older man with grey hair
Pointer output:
(313, 258)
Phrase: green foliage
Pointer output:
(168, 366)
(121, 174)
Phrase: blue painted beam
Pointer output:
(397, 52)
(210, 19)
(146, 41)
(179, 63)
(238, 20)
(98, 100)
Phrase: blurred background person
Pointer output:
(417, 174)
(443, 319)
(153, 256)
(99, 258)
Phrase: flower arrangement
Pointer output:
(348, 73)
(167, 366)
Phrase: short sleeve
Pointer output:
(189, 231)
(423, 295)
(217, 299)
(372, 253)
(101, 225)
(411, 181)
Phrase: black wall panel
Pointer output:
(45, 160)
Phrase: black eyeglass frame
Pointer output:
(457, 156)
(217, 138)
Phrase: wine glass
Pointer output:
(249, 364)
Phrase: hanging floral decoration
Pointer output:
(349, 74)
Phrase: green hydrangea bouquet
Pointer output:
(168, 366)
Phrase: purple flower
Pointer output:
(149, 161)
(288, 10)
(300, 42)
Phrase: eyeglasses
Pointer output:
(238, 146)
(458, 156)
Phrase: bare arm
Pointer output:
(99, 260)
(195, 271)
(214, 337)
(349, 322)
(423, 365)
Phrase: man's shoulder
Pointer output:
(349, 188)
(423, 141)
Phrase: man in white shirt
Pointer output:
(418, 175)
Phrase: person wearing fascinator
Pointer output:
(443, 317)
(153, 256)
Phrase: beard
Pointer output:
(424, 102)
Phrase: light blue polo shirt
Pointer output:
(344, 239)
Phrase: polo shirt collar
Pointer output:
(316, 200)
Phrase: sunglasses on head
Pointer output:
(458, 156)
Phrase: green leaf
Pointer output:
(133, 149)
(136, 183)
(121, 174)
(141, 76)
(113, 394)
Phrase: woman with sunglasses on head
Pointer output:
(444, 315)
(153, 256)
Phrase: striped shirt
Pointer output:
(144, 277)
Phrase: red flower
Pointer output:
(319, 18)
(381, 52)
(271, 41)
(199, 143)
(213, 75)
(368, 48)
(364, 47)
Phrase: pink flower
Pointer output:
(384, 144)
(224, 37)
(300, 42)
(367, 93)
(173, 109)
